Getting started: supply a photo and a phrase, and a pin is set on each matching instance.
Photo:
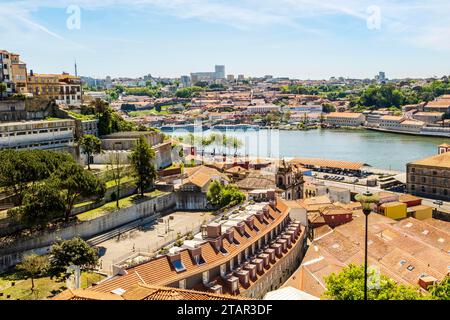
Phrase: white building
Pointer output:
(347, 119)
(57, 134)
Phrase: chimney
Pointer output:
(243, 276)
(232, 284)
(259, 264)
(251, 268)
(277, 247)
(213, 230)
(271, 252)
(216, 289)
(266, 211)
(241, 228)
(250, 222)
(287, 238)
(174, 256)
(216, 243)
(230, 235)
(283, 243)
(265, 258)
(31, 73)
(260, 216)
(427, 281)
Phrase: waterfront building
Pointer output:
(55, 134)
(430, 177)
(438, 105)
(405, 251)
(263, 109)
(373, 117)
(63, 88)
(400, 123)
(428, 117)
(346, 119)
(445, 147)
(253, 251)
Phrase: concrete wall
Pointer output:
(191, 201)
(88, 229)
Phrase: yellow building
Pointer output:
(394, 210)
(64, 88)
(421, 212)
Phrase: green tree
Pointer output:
(441, 290)
(65, 253)
(214, 194)
(90, 145)
(76, 183)
(328, 107)
(349, 285)
(33, 266)
(20, 169)
(220, 195)
(142, 159)
(2, 89)
(42, 203)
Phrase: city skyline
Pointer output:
(296, 39)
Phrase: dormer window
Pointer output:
(198, 259)
(178, 265)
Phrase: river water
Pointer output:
(378, 149)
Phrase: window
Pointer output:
(178, 265)
(199, 259)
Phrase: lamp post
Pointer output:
(367, 200)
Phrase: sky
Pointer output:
(302, 39)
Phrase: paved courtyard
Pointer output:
(149, 237)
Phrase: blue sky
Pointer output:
(297, 38)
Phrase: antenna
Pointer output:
(76, 68)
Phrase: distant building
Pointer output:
(219, 72)
(230, 78)
(185, 81)
(13, 73)
(400, 123)
(63, 88)
(241, 77)
(263, 108)
(347, 119)
(210, 77)
(430, 177)
(429, 117)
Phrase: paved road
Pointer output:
(148, 238)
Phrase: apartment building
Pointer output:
(13, 72)
(250, 253)
(63, 88)
(58, 134)
(430, 177)
(346, 119)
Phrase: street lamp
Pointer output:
(367, 200)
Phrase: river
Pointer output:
(378, 149)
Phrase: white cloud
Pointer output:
(409, 21)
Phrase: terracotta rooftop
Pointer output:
(144, 292)
(160, 271)
(338, 164)
(440, 160)
(404, 251)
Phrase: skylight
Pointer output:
(119, 291)
(178, 265)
